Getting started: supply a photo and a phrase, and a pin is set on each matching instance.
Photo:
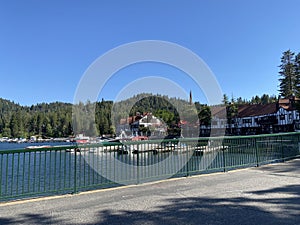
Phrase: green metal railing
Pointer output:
(69, 169)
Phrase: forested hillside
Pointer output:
(55, 119)
(47, 120)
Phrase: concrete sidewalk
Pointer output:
(265, 195)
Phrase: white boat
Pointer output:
(38, 146)
(81, 139)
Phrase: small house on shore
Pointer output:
(145, 125)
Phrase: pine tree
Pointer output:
(289, 82)
(297, 72)
(225, 100)
(205, 115)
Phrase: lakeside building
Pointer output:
(250, 119)
(142, 124)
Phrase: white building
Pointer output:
(269, 118)
(254, 119)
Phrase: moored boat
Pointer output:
(81, 139)
(38, 146)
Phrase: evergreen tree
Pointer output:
(289, 81)
(204, 115)
(297, 73)
(225, 99)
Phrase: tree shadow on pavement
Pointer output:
(242, 210)
(292, 166)
(280, 205)
(32, 218)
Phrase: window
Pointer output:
(246, 120)
(214, 122)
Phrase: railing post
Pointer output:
(137, 165)
(224, 160)
(256, 152)
(282, 150)
(187, 160)
(298, 144)
(1, 163)
(12, 173)
(75, 170)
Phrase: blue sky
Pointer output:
(46, 46)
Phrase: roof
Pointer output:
(257, 110)
(287, 103)
(129, 120)
(218, 111)
(284, 101)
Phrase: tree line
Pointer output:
(46, 120)
(51, 120)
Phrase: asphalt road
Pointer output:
(265, 195)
